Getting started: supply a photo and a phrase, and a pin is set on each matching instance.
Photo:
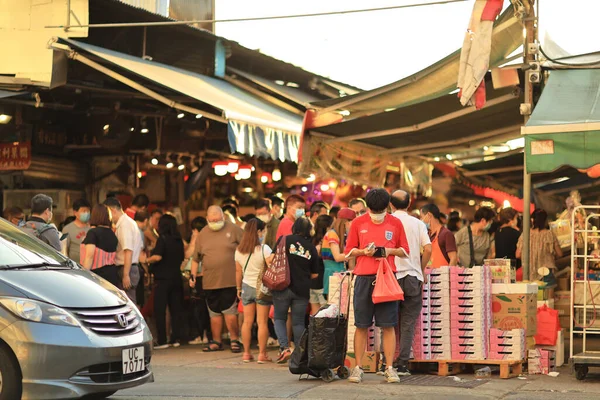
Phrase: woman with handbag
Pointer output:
(303, 266)
(250, 258)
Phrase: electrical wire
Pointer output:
(211, 21)
(588, 64)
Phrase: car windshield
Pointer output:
(17, 249)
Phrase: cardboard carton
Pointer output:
(369, 362)
(515, 306)
(559, 348)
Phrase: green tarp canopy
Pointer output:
(564, 128)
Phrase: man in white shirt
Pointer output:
(410, 277)
(129, 248)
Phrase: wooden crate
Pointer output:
(508, 368)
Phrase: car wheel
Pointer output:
(10, 377)
(99, 396)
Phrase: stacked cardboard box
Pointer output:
(514, 306)
(559, 348)
(541, 361)
(436, 303)
(470, 291)
(507, 345)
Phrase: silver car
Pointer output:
(64, 332)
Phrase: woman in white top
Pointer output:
(250, 258)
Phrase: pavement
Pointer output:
(188, 373)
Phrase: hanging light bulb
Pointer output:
(276, 175)
(265, 177)
(169, 165)
(220, 167)
(245, 171)
(232, 166)
(154, 161)
(311, 178)
(181, 167)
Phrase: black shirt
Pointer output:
(303, 260)
(106, 243)
(172, 253)
(506, 242)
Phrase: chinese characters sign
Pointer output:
(15, 156)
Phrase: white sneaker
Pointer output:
(175, 344)
(391, 376)
(272, 342)
(357, 375)
(196, 341)
(162, 346)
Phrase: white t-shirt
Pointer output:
(129, 237)
(254, 265)
(417, 236)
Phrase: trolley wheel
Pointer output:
(343, 372)
(581, 372)
(328, 375)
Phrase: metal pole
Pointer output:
(68, 25)
(527, 58)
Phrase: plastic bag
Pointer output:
(330, 311)
(327, 342)
(547, 326)
(386, 286)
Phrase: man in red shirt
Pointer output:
(295, 208)
(139, 203)
(383, 230)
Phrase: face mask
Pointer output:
(428, 226)
(216, 226)
(299, 213)
(487, 227)
(265, 218)
(377, 217)
(84, 217)
(261, 239)
(51, 215)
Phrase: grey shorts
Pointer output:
(316, 297)
(249, 296)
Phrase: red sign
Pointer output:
(15, 156)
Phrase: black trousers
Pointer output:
(169, 293)
(201, 318)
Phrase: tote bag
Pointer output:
(277, 275)
(386, 286)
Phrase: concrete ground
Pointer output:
(187, 373)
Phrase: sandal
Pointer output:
(210, 348)
(248, 358)
(264, 359)
(236, 346)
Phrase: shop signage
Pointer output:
(15, 156)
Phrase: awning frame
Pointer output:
(74, 55)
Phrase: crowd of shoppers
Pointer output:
(226, 256)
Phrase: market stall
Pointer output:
(564, 129)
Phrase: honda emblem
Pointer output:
(122, 320)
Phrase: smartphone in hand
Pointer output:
(379, 252)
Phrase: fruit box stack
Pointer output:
(507, 345)
(541, 362)
(471, 314)
(435, 316)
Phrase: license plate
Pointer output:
(133, 360)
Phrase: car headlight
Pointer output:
(37, 311)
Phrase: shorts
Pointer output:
(386, 314)
(221, 301)
(316, 297)
(249, 296)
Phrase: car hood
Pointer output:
(65, 288)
